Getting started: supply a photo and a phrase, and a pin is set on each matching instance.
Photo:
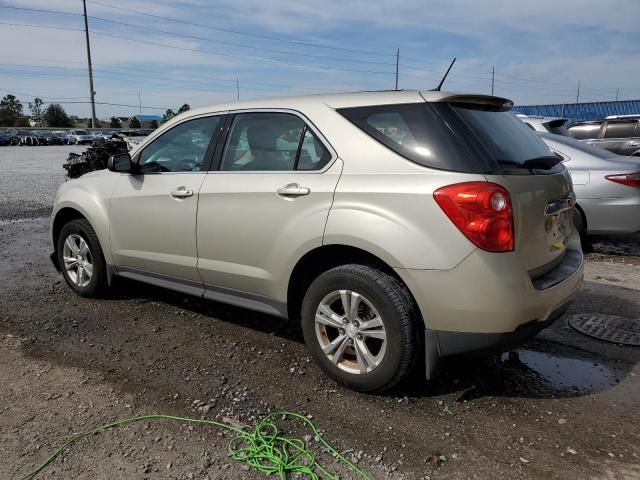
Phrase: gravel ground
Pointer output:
(562, 406)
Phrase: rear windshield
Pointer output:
(450, 136)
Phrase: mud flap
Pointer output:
(431, 353)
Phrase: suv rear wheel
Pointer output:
(80, 258)
(359, 326)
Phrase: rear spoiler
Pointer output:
(480, 102)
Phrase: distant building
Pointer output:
(582, 111)
(145, 120)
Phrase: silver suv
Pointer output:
(398, 227)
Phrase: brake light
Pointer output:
(482, 211)
(630, 179)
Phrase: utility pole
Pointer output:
(617, 93)
(397, 66)
(493, 77)
(91, 92)
(578, 94)
(140, 102)
(237, 89)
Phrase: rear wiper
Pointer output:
(544, 162)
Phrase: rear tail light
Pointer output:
(630, 179)
(482, 211)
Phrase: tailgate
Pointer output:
(543, 217)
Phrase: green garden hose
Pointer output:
(264, 449)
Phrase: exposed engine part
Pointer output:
(94, 158)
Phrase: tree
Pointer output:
(10, 110)
(22, 122)
(134, 122)
(153, 124)
(55, 116)
(115, 123)
(36, 111)
(184, 108)
(168, 115)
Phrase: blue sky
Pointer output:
(540, 49)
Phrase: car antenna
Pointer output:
(437, 89)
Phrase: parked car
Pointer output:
(395, 226)
(607, 186)
(62, 135)
(80, 137)
(557, 125)
(620, 135)
(98, 135)
(49, 138)
(31, 138)
(5, 139)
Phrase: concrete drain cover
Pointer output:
(608, 328)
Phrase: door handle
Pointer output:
(634, 144)
(181, 192)
(293, 190)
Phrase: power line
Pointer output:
(232, 44)
(206, 52)
(237, 32)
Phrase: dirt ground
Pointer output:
(562, 406)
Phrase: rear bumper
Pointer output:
(457, 343)
(612, 215)
(492, 294)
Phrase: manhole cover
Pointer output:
(608, 328)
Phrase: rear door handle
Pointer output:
(182, 192)
(634, 144)
(293, 190)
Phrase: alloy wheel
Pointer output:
(77, 260)
(350, 331)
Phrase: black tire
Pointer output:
(98, 282)
(579, 223)
(398, 311)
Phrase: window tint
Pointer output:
(262, 142)
(585, 132)
(181, 149)
(417, 132)
(313, 155)
(508, 139)
(620, 130)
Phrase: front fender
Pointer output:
(91, 198)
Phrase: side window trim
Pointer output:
(299, 151)
(210, 147)
(308, 126)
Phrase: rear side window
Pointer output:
(417, 132)
(620, 130)
(270, 141)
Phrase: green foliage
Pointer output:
(154, 124)
(115, 122)
(168, 115)
(22, 122)
(36, 110)
(134, 123)
(10, 110)
(55, 116)
(184, 108)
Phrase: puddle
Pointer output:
(551, 372)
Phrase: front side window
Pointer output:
(620, 130)
(585, 132)
(181, 149)
(262, 142)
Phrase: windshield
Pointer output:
(81, 132)
(505, 136)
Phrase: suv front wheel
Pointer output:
(359, 325)
(80, 258)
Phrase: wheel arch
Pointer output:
(324, 258)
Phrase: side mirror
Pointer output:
(120, 163)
